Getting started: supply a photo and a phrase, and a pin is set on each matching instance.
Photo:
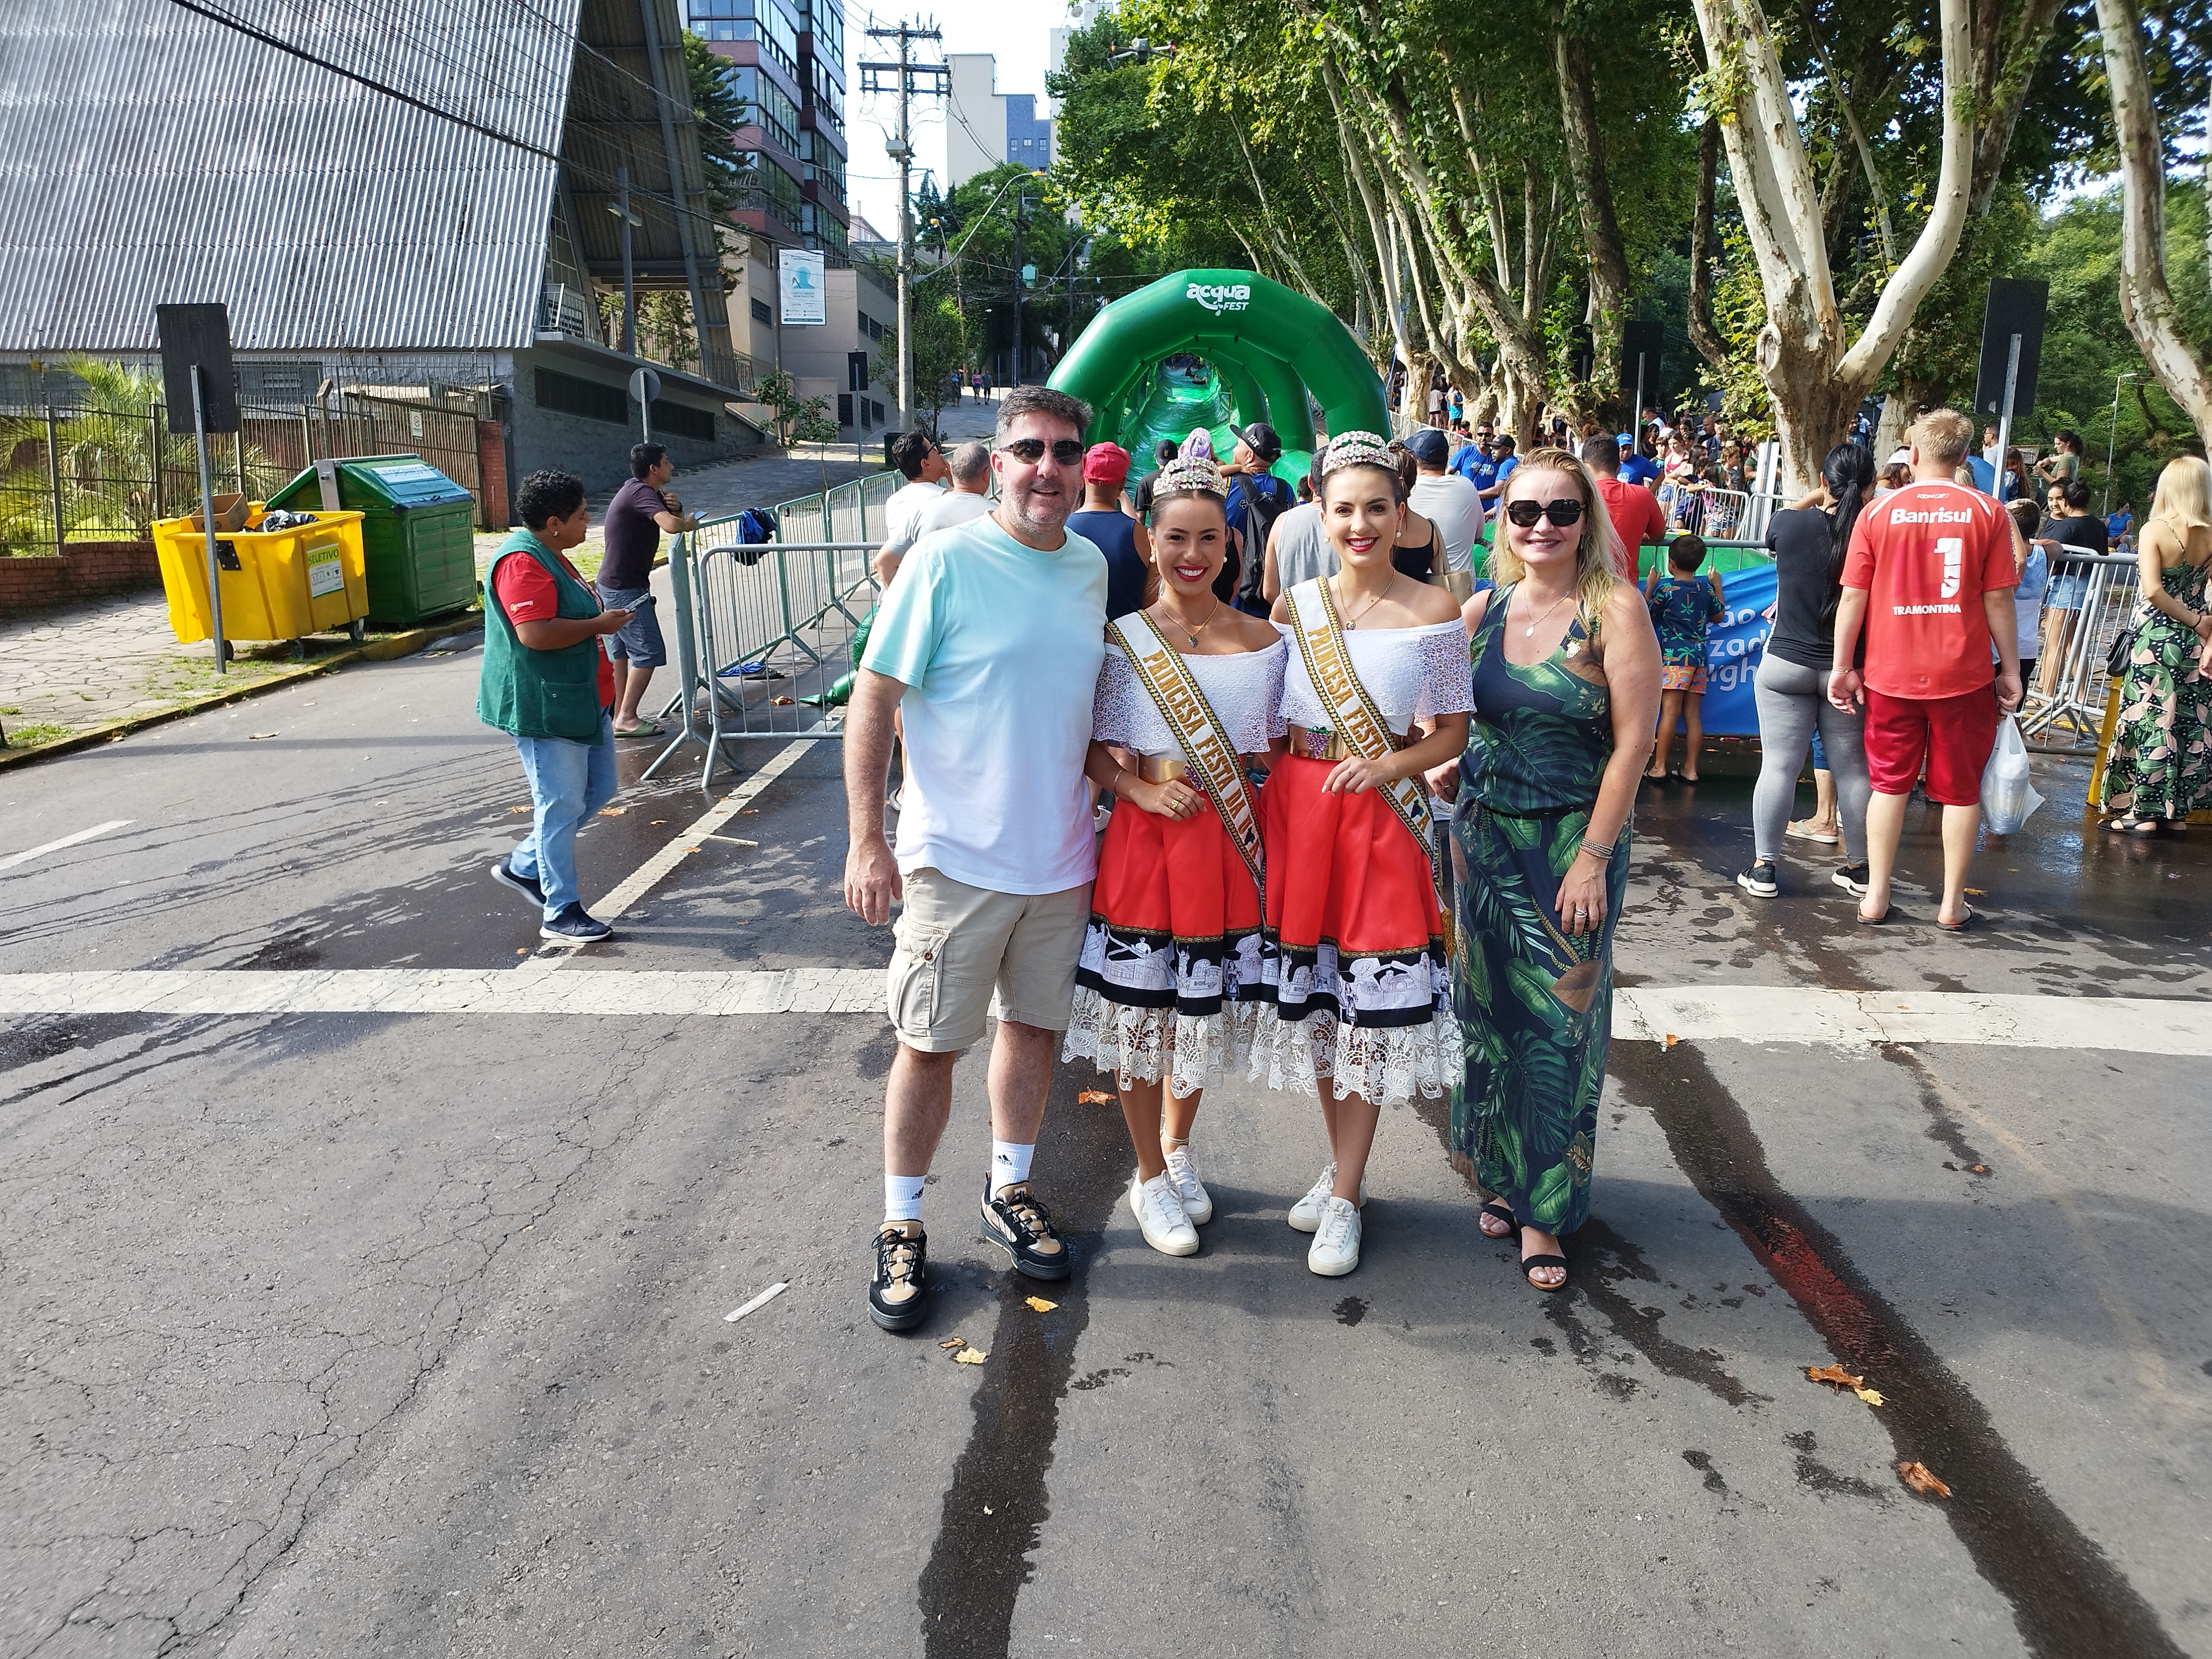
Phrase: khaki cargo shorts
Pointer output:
(954, 944)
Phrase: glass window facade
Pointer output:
(772, 190)
(822, 231)
(824, 167)
(767, 107)
(828, 97)
(765, 22)
(826, 18)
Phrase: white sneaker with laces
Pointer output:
(1306, 1215)
(1335, 1249)
(1183, 1175)
(1160, 1217)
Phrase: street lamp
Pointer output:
(2111, 441)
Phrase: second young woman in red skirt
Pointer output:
(1167, 987)
(1376, 691)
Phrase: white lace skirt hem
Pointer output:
(1388, 1065)
(1147, 1045)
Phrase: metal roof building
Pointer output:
(399, 193)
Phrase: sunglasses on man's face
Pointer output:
(1030, 451)
(1561, 513)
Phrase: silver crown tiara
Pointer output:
(1193, 468)
(1357, 448)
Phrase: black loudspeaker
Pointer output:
(1640, 343)
(1582, 352)
(198, 334)
(856, 370)
(2015, 306)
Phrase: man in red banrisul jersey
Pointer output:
(1929, 576)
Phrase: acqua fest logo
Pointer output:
(1219, 297)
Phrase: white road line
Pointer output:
(643, 879)
(28, 853)
(1699, 1013)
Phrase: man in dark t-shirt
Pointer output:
(641, 509)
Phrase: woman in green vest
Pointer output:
(547, 684)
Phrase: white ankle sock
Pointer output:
(1010, 1163)
(902, 1197)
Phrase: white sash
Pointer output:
(1208, 750)
(1354, 717)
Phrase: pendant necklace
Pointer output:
(1554, 606)
(1183, 628)
(1352, 622)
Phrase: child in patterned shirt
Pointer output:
(1683, 604)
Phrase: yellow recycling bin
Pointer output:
(277, 585)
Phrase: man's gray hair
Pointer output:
(971, 462)
(1042, 400)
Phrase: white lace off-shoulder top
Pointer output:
(1412, 673)
(1245, 690)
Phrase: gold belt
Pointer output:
(1310, 745)
(1160, 768)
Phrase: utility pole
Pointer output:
(1022, 205)
(619, 208)
(937, 79)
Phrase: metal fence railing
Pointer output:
(767, 634)
(71, 473)
(2093, 596)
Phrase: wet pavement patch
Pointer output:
(997, 1504)
(2069, 1600)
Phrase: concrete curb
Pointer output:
(388, 649)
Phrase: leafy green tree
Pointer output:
(721, 111)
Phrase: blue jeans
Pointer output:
(569, 782)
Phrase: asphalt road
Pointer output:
(342, 1333)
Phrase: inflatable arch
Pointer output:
(1269, 347)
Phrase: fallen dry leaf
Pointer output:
(1978, 1169)
(1672, 1039)
(1976, 892)
(971, 1356)
(523, 952)
(256, 737)
(954, 1342)
(1918, 1477)
(518, 809)
(1095, 1097)
(1872, 1396)
(1835, 1376)
(612, 811)
(657, 823)
(690, 849)
(1041, 1304)
(779, 703)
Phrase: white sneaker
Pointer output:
(1306, 1215)
(1160, 1217)
(1335, 1249)
(1197, 1203)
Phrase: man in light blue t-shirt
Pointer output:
(988, 645)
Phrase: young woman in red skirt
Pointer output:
(1165, 987)
(1360, 1009)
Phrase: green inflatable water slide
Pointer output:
(1267, 354)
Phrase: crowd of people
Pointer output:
(1365, 755)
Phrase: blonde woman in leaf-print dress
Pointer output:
(1566, 689)
(2161, 767)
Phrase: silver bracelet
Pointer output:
(1601, 853)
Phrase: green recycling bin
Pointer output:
(418, 532)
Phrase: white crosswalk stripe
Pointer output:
(1703, 1013)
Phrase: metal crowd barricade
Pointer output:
(2075, 699)
(1728, 515)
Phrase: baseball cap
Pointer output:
(1428, 445)
(1261, 439)
(1105, 463)
(1626, 440)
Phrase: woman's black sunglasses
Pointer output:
(1561, 513)
(1065, 451)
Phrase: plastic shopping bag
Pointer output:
(2008, 799)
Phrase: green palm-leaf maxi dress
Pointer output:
(1534, 1005)
(2161, 760)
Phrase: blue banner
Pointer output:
(1733, 649)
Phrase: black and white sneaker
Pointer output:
(1759, 880)
(506, 875)
(897, 1295)
(1851, 878)
(1017, 1224)
(574, 925)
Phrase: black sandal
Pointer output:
(1499, 1213)
(1528, 1261)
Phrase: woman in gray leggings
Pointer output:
(1808, 544)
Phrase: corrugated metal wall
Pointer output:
(150, 155)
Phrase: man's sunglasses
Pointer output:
(1561, 513)
(1030, 451)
